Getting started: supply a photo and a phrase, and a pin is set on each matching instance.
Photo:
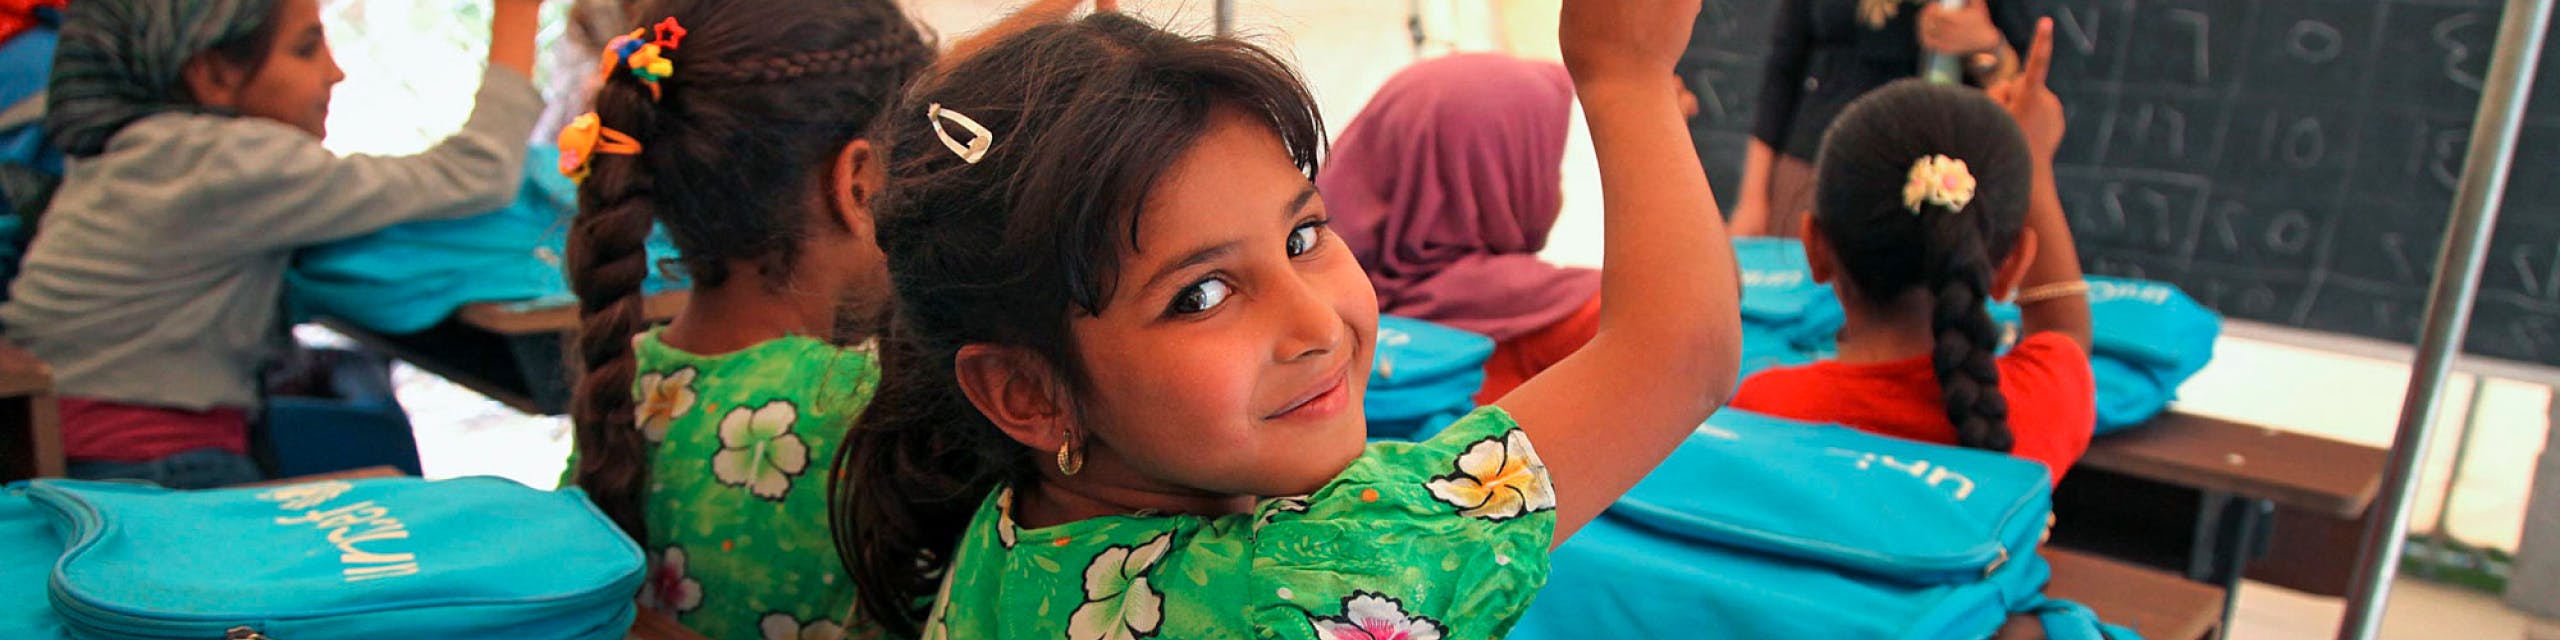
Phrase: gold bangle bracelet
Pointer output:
(2052, 291)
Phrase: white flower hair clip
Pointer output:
(980, 139)
(1938, 180)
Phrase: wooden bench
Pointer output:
(2157, 605)
(515, 353)
(2206, 497)
(30, 418)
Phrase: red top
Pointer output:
(1516, 359)
(2052, 398)
(96, 430)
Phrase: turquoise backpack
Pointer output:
(407, 277)
(1425, 377)
(392, 557)
(1764, 528)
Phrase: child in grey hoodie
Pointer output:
(193, 127)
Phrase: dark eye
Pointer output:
(1304, 238)
(1200, 297)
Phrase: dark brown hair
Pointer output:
(765, 94)
(1887, 249)
(1085, 116)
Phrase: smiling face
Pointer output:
(1235, 350)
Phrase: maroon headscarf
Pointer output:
(1445, 187)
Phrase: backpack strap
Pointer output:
(2067, 620)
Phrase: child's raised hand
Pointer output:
(2028, 99)
(1625, 39)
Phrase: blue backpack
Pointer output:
(1783, 309)
(1426, 376)
(1764, 528)
(2146, 338)
(394, 557)
(28, 548)
(407, 277)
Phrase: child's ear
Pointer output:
(212, 82)
(853, 183)
(1817, 249)
(2013, 268)
(1017, 391)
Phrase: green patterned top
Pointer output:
(1445, 538)
(738, 543)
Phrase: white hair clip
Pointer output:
(980, 138)
(1938, 180)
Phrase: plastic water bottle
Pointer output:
(1943, 68)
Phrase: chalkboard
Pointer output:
(2283, 161)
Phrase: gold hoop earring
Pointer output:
(1070, 460)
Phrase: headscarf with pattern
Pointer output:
(119, 62)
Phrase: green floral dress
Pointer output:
(1445, 538)
(738, 543)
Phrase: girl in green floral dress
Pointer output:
(1121, 390)
(737, 125)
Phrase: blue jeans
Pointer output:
(193, 469)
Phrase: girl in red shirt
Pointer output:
(1933, 200)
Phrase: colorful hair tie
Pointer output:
(1938, 180)
(587, 136)
(643, 53)
(980, 138)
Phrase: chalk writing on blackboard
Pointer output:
(2314, 41)
(2079, 31)
(2203, 26)
(2456, 53)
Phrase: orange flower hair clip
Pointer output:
(587, 136)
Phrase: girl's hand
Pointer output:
(1961, 31)
(1630, 40)
(2028, 99)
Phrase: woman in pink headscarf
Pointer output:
(1445, 187)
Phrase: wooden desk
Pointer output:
(2250, 461)
(30, 418)
(517, 319)
(2157, 605)
(511, 352)
(2207, 497)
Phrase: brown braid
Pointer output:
(1959, 280)
(607, 261)
(868, 55)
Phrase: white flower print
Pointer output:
(662, 398)
(1370, 616)
(1292, 504)
(1118, 602)
(759, 451)
(1498, 478)
(667, 588)
(781, 626)
(1004, 518)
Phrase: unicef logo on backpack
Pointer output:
(343, 525)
